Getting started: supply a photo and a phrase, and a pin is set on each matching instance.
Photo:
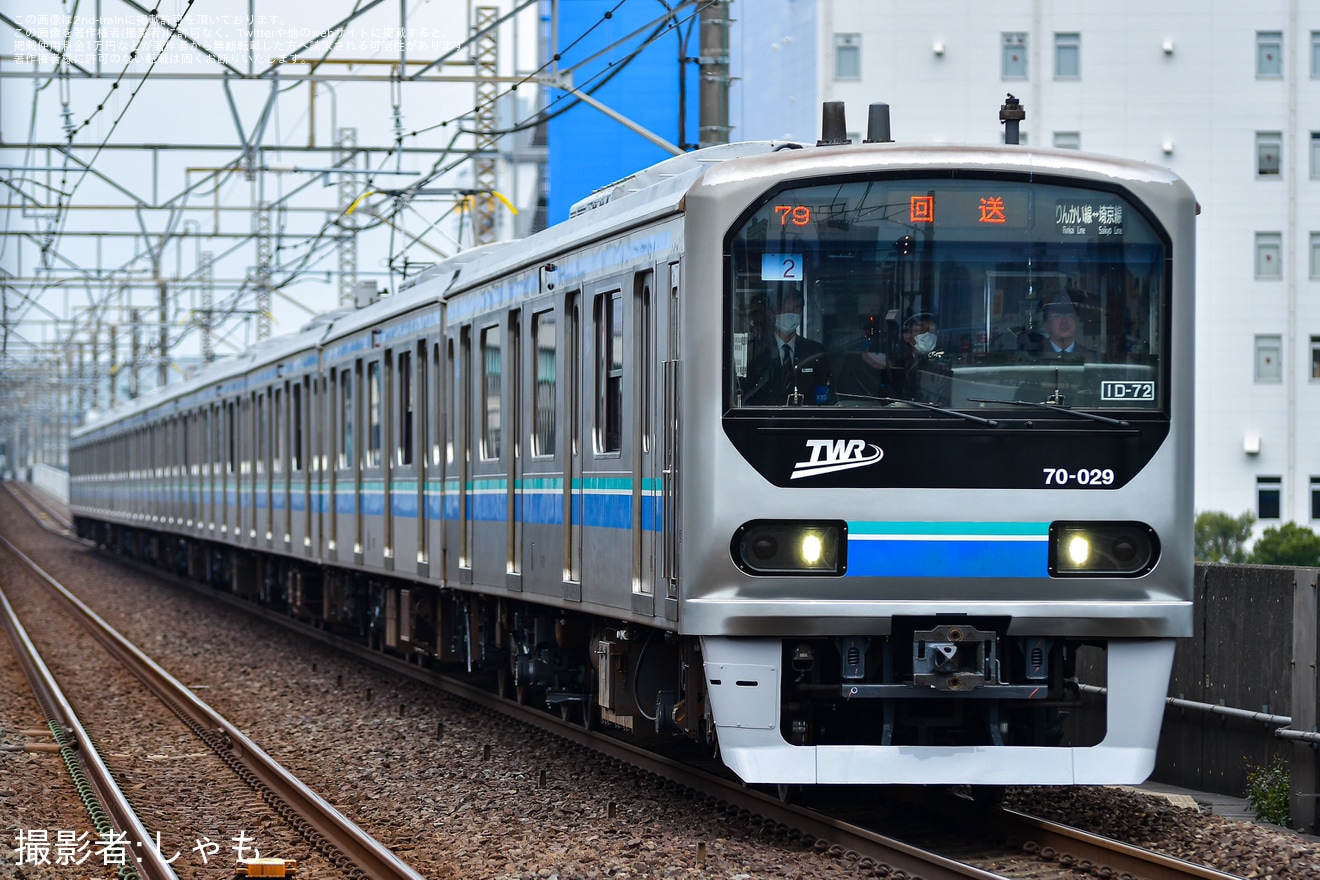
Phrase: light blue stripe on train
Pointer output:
(948, 549)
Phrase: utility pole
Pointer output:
(714, 66)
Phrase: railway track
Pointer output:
(847, 838)
(341, 840)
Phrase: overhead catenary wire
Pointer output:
(312, 249)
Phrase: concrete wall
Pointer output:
(1254, 649)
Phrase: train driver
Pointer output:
(788, 369)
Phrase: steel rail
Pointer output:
(150, 864)
(359, 847)
(833, 836)
(1041, 838)
(1083, 851)
(45, 512)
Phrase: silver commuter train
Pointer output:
(588, 461)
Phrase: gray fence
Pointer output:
(1244, 686)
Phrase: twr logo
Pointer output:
(828, 456)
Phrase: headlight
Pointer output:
(1122, 549)
(791, 547)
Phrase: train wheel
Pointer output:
(789, 793)
(504, 683)
(590, 717)
(566, 710)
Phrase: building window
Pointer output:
(1315, 498)
(1268, 490)
(1067, 56)
(1315, 358)
(1315, 255)
(1315, 53)
(847, 56)
(1014, 65)
(1269, 358)
(1068, 140)
(1269, 147)
(1269, 54)
(1269, 255)
(1315, 154)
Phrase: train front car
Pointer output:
(948, 459)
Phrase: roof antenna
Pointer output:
(877, 125)
(833, 127)
(1011, 114)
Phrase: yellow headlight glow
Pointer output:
(1079, 549)
(791, 547)
(811, 547)
(1102, 549)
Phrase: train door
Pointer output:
(513, 453)
(282, 469)
(346, 499)
(573, 403)
(311, 448)
(357, 432)
(489, 493)
(374, 515)
(430, 393)
(274, 503)
(230, 524)
(669, 436)
(295, 526)
(249, 468)
(330, 466)
(421, 451)
(403, 538)
(463, 404)
(644, 460)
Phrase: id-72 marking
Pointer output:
(1082, 477)
(1117, 390)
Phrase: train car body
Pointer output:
(684, 465)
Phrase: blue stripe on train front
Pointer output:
(967, 549)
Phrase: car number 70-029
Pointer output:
(1082, 477)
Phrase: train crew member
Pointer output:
(1059, 318)
(918, 371)
(789, 369)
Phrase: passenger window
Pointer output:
(546, 345)
(346, 419)
(609, 372)
(491, 354)
(373, 415)
(295, 404)
(404, 454)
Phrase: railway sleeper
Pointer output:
(592, 669)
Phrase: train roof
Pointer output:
(650, 193)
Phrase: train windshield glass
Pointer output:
(951, 292)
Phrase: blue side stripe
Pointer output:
(948, 558)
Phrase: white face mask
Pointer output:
(924, 343)
(788, 323)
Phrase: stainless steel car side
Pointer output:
(846, 460)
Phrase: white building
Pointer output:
(1225, 93)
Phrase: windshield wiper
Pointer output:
(930, 406)
(1054, 407)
